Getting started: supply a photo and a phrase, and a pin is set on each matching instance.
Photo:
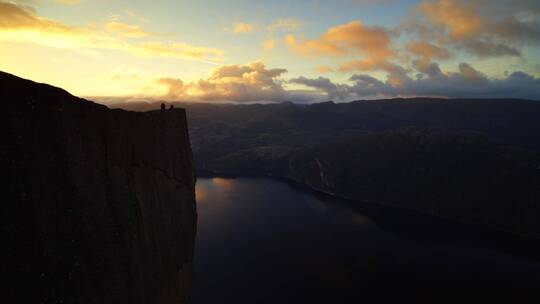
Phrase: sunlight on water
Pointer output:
(262, 241)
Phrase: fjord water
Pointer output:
(265, 241)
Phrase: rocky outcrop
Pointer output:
(99, 205)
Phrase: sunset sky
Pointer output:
(300, 51)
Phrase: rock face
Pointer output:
(99, 204)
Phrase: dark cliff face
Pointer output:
(99, 205)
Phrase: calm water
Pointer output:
(264, 241)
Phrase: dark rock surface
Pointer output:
(99, 204)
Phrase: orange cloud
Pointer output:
(13, 16)
(172, 49)
(124, 29)
(323, 69)
(269, 44)
(470, 74)
(19, 23)
(312, 47)
(362, 65)
(69, 2)
(483, 28)
(175, 87)
(352, 38)
(244, 28)
(428, 50)
(457, 16)
(249, 82)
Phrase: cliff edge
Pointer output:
(99, 204)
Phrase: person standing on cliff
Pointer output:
(162, 106)
(171, 107)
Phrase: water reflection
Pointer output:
(200, 194)
(263, 241)
(223, 183)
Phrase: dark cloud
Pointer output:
(483, 48)
(482, 28)
(334, 91)
(467, 82)
(511, 28)
(429, 68)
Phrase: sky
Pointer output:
(261, 51)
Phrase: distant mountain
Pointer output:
(476, 161)
(508, 121)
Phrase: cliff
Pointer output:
(99, 205)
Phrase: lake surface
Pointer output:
(265, 241)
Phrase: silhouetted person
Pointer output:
(162, 107)
(171, 107)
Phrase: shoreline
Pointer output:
(527, 246)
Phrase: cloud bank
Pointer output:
(481, 28)
(466, 82)
(254, 82)
(241, 83)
